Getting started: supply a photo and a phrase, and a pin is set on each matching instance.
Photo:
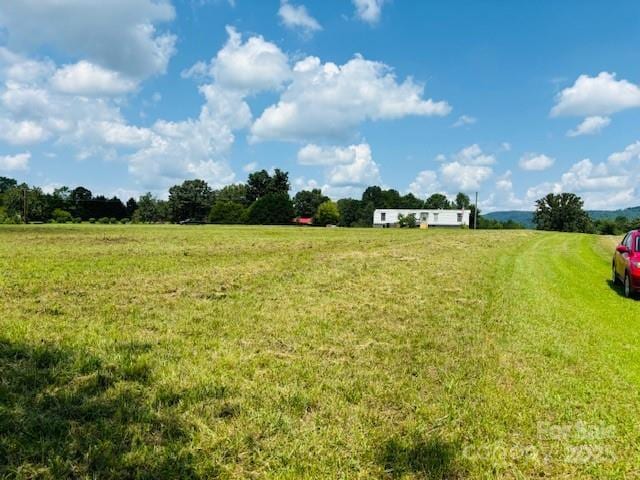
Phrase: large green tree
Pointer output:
(21, 198)
(132, 206)
(349, 209)
(147, 211)
(261, 183)
(272, 209)
(190, 201)
(306, 202)
(437, 201)
(236, 192)
(462, 201)
(227, 212)
(79, 199)
(6, 183)
(561, 212)
(410, 201)
(327, 214)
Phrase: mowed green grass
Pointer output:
(221, 352)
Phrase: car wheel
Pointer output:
(614, 276)
(627, 286)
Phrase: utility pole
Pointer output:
(475, 214)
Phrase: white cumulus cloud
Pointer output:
(22, 132)
(536, 162)
(464, 120)
(630, 152)
(605, 185)
(297, 17)
(119, 35)
(194, 147)
(252, 66)
(587, 176)
(12, 163)
(347, 169)
(590, 126)
(84, 78)
(315, 155)
(465, 177)
(330, 101)
(467, 169)
(600, 95)
(362, 171)
(425, 183)
(473, 155)
(369, 10)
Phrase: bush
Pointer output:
(113, 220)
(61, 216)
(104, 220)
(272, 209)
(327, 214)
(77, 220)
(10, 220)
(407, 221)
(92, 220)
(124, 221)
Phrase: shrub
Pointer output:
(92, 220)
(407, 221)
(113, 220)
(124, 221)
(61, 216)
(10, 220)
(104, 220)
(77, 220)
(327, 214)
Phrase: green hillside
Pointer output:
(525, 217)
(522, 217)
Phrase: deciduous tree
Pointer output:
(561, 212)
(306, 202)
(227, 212)
(272, 209)
(437, 201)
(327, 214)
(190, 201)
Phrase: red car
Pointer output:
(625, 267)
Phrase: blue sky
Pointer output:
(513, 99)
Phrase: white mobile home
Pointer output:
(389, 217)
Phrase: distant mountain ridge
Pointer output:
(526, 217)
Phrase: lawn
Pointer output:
(221, 352)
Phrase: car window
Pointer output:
(628, 241)
(624, 240)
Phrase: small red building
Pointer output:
(303, 220)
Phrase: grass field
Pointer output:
(204, 352)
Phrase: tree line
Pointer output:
(564, 212)
(263, 199)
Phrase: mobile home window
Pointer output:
(424, 216)
(383, 216)
(459, 217)
(435, 217)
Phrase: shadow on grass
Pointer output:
(68, 415)
(431, 458)
(617, 288)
